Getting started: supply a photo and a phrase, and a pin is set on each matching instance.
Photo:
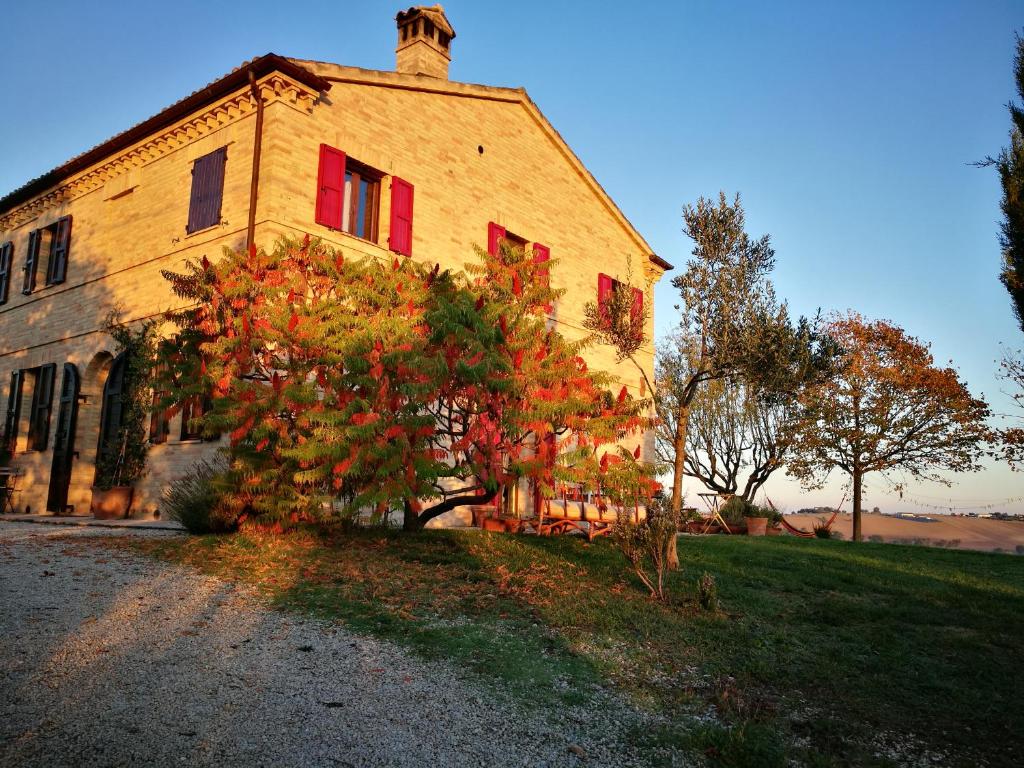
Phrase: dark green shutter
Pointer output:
(13, 411)
(207, 191)
(6, 258)
(42, 405)
(60, 247)
(31, 261)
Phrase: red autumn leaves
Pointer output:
(385, 382)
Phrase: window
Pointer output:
(607, 285)
(496, 234)
(348, 194)
(42, 404)
(207, 191)
(6, 259)
(191, 410)
(55, 242)
(13, 415)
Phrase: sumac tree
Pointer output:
(392, 386)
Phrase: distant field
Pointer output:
(825, 653)
(946, 531)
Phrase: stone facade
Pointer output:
(474, 155)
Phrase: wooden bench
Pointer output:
(590, 514)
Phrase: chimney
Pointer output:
(424, 42)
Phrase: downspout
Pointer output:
(257, 147)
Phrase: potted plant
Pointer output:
(734, 512)
(757, 520)
(121, 459)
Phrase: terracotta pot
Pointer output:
(756, 526)
(502, 524)
(777, 531)
(480, 512)
(112, 504)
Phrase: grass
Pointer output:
(825, 652)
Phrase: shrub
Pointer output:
(707, 592)
(821, 530)
(646, 544)
(196, 499)
(735, 509)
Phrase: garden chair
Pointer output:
(8, 487)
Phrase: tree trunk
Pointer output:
(858, 477)
(682, 424)
(410, 520)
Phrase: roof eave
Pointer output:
(232, 81)
(657, 260)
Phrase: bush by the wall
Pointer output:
(196, 499)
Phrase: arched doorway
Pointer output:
(64, 441)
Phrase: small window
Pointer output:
(497, 234)
(207, 191)
(42, 404)
(362, 201)
(53, 243)
(444, 39)
(348, 194)
(606, 286)
(191, 411)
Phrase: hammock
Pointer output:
(809, 534)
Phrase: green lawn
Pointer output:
(823, 650)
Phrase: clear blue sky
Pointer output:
(848, 129)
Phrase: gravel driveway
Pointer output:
(108, 658)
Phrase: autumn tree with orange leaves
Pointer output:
(392, 386)
(889, 409)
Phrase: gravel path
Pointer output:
(108, 658)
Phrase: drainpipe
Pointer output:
(257, 146)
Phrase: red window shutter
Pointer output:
(330, 187)
(495, 234)
(638, 304)
(605, 285)
(6, 259)
(207, 190)
(57, 267)
(31, 261)
(541, 255)
(400, 239)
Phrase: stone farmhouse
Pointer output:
(374, 162)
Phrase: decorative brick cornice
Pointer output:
(273, 88)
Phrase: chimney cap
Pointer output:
(433, 12)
